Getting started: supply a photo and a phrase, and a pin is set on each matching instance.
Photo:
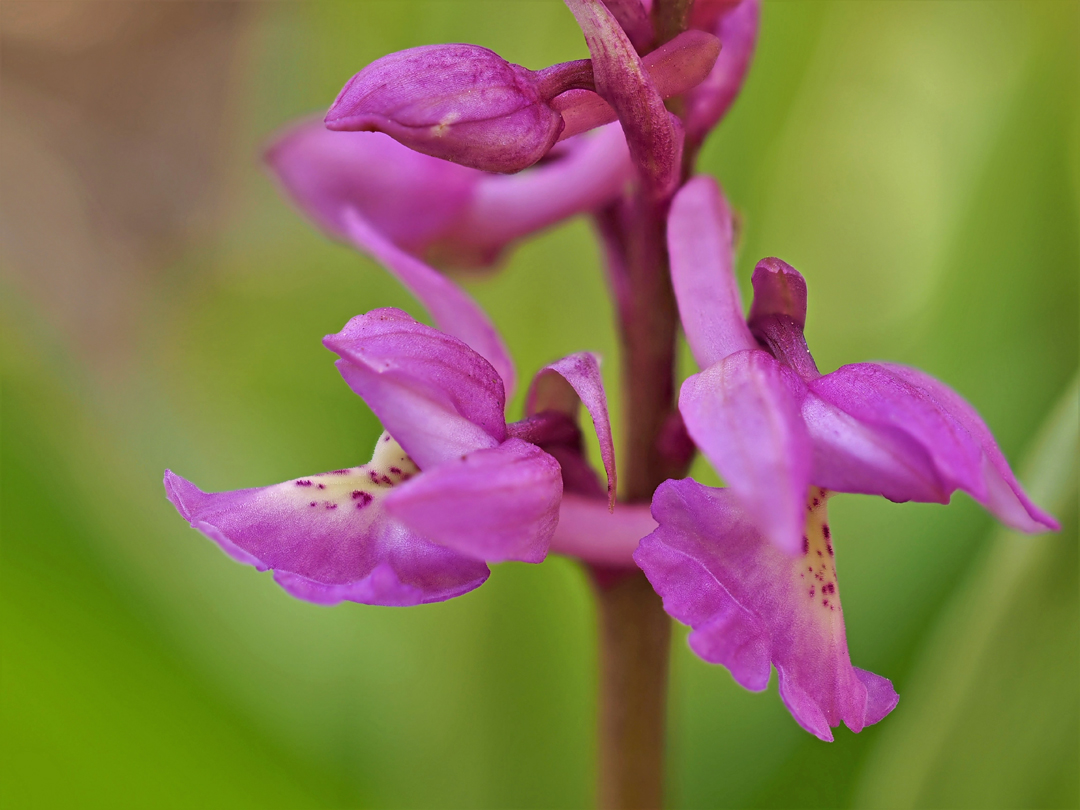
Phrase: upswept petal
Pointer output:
(700, 245)
(329, 538)
(590, 531)
(412, 198)
(653, 136)
(494, 504)
(750, 605)
(851, 456)
(737, 31)
(1000, 492)
(583, 174)
(453, 311)
(434, 394)
(744, 415)
(561, 386)
(898, 414)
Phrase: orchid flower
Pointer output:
(752, 568)
(450, 486)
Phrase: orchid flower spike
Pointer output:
(752, 568)
(450, 486)
(468, 105)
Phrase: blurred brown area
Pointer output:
(114, 122)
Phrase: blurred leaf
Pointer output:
(990, 716)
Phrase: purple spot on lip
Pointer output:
(374, 476)
(340, 472)
(331, 505)
(805, 544)
(386, 438)
(303, 483)
(825, 531)
(322, 486)
(312, 503)
(829, 588)
(362, 497)
(383, 479)
(396, 470)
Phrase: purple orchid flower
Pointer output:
(752, 568)
(449, 488)
(772, 425)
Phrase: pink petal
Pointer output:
(590, 531)
(584, 174)
(453, 311)
(951, 431)
(329, 538)
(737, 31)
(495, 504)
(702, 272)
(413, 199)
(434, 394)
(564, 383)
(750, 605)
(743, 413)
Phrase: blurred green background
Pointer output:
(162, 306)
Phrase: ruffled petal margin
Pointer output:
(750, 605)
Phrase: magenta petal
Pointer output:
(412, 198)
(495, 504)
(750, 604)
(581, 372)
(453, 311)
(702, 272)
(589, 530)
(585, 174)
(744, 415)
(327, 539)
(852, 456)
(461, 103)
(434, 394)
(737, 30)
(653, 137)
(951, 432)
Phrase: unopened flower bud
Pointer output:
(461, 103)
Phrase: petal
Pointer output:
(654, 139)
(461, 103)
(750, 605)
(743, 413)
(328, 537)
(708, 103)
(852, 456)
(495, 504)
(434, 394)
(702, 272)
(585, 174)
(413, 199)
(453, 311)
(960, 447)
(592, 532)
(562, 385)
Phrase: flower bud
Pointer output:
(461, 103)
